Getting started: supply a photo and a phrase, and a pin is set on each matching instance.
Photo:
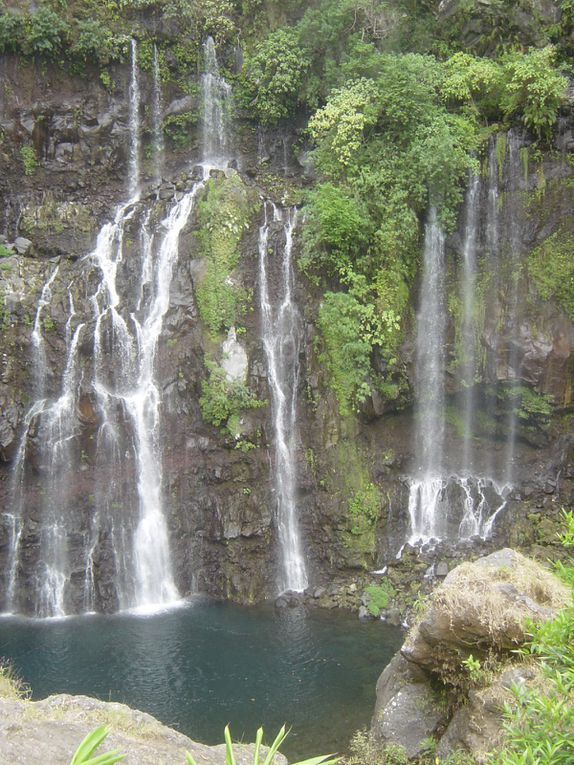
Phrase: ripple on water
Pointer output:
(200, 667)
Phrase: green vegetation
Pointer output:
(541, 719)
(224, 214)
(11, 686)
(364, 508)
(29, 160)
(379, 597)
(83, 754)
(222, 400)
(551, 269)
(273, 749)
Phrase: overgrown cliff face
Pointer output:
(65, 154)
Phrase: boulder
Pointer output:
(475, 727)
(51, 730)
(481, 606)
(407, 711)
(22, 245)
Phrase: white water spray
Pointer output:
(281, 331)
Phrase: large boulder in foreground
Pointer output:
(481, 609)
(49, 731)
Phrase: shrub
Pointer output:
(364, 508)
(534, 90)
(28, 156)
(379, 596)
(273, 77)
(11, 32)
(541, 720)
(347, 354)
(222, 400)
(45, 33)
(337, 228)
(95, 43)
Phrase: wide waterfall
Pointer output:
(120, 393)
(281, 331)
(458, 491)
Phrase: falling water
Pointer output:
(156, 116)
(37, 338)
(425, 492)
(216, 109)
(512, 176)
(281, 331)
(468, 334)
(58, 427)
(128, 502)
(134, 123)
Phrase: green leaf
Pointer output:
(229, 756)
(189, 759)
(258, 740)
(89, 745)
(321, 760)
(275, 746)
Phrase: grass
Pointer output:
(12, 687)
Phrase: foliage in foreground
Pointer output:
(85, 753)
(540, 723)
(325, 759)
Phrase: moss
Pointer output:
(224, 215)
(379, 597)
(551, 270)
(56, 217)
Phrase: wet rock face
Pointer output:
(219, 500)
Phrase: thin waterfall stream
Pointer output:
(281, 333)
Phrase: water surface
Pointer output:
(202, 666)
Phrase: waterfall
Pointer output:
(281, 332)
(134, 123)
(37, 338)
(156, 117)
(512, 177)
(468, 335)
(216, 109)
(128, 510)
(425, 492)
(461, 495)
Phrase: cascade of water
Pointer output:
(134, 123)
(156, 116)
(15, 517)
(281, 332)
(216, 109)
(425, 492)
(57, 429)
(468, 336)
(513, 174)
(37, 338)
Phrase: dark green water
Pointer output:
(200, 667)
